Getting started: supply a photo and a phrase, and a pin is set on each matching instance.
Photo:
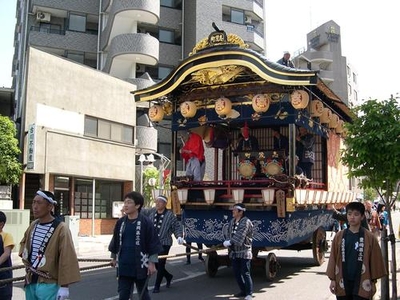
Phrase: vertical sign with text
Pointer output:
(31, 147)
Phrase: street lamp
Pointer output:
(142, 158)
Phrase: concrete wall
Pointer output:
(59, 95)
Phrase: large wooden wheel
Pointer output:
(319, 246)
(212, 264)
(271, 266)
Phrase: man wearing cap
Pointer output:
(285, 60)
(48, 253)
(239, 243)
(165, 223)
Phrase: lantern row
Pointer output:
(260, 104)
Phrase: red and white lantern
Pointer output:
(333, 123)
(260, 103)
(156, 113)
(223, 106)
(299, 99)
(339, 128)
(326, 115)
(188, 109)
(316, 108)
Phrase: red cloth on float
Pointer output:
(195, 145)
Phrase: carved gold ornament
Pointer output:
(231, 39)
(217, 75)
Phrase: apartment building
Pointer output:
(324, 53)
(74, 66)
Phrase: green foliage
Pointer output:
(373, 146)
(10, 167)
(150, 172)
(369, 194)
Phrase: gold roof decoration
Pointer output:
(217, 75)
(219, 38)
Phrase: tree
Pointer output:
(10, 167)
(373, 154)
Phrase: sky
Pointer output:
(7, 27)
(368, 36)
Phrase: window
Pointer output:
(45, 27)
(349, 89)
(166, 36)
(90, 126)
(237, 16)
(171, 3)
(108, 130)
(106, 192)
(77, 23)
(354, 78)
(163, 72)
(76, 56)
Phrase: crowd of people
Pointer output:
(142, 238)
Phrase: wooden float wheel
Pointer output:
(271, 266)
(319, 246)
(212, 264)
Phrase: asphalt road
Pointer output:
(297, 278)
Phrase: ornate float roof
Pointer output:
(222, 65)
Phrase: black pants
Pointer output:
(199, 246)
(349, 287)
(307, 168)
(126, 285)
(161, 270)
(351, 297)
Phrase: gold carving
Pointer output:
(232, 39)
(217, 75)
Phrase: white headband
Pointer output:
(163, 198)
(49, 199)
(239, 208)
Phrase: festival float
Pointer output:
(219, 88)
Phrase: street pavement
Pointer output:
(96, 247)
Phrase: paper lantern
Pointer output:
(156, 113)
(339, 127)
(188, 109)
(326, 115)
(316, 108)
(260, 103)
(223, 106)
(333, 123)
(299, 99)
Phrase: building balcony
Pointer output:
(71, 40)
(319, 57)
(124, 15)
(326, 76)
(146, 139)
(249, 33)
(126, 50)
(253, 8)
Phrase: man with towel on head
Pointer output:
(165, 223)
(48, 253)
(239, 243)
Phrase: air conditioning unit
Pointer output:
(247, 20)
(43, 16)
(140, 68)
